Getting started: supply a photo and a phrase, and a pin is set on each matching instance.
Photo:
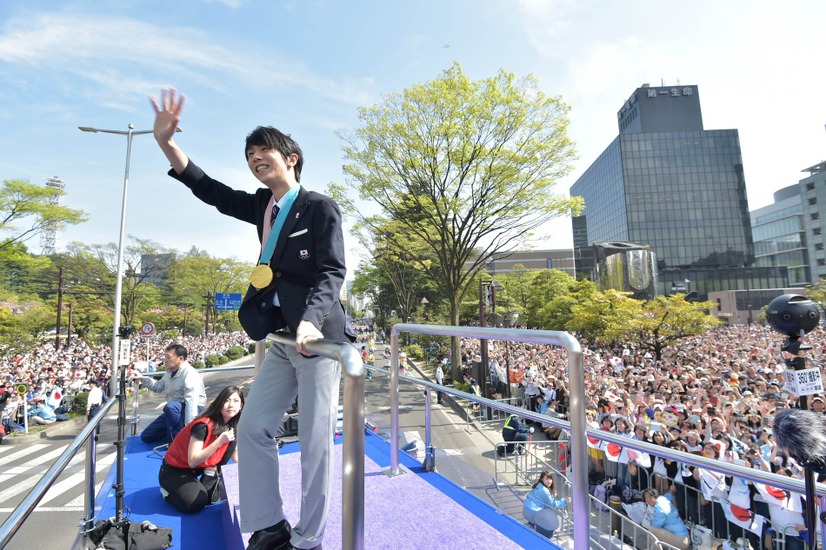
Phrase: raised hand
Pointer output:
(167, 115)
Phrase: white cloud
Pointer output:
(125, 57)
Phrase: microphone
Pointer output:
(802, 435)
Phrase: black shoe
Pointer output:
(271, 538)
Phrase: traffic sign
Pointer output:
(227, 301)
(147, 329)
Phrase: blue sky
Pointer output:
(307, 66)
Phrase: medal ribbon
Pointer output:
(269, 248)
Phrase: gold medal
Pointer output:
(261, 276)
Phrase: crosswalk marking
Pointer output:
(64, 485)
(24, 486)
(25, 451)
(30, 466)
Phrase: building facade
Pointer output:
(532, 260)
(813, 202)
(779, 232)
(668, 183)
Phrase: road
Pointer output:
(464, 456)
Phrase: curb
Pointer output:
(56, 428)
(457, 409)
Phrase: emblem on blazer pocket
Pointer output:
(304, 254)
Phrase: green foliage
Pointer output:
(467, 168)
(79, 402)
(223, 359)
(663, 321)
(251, 348)
(817, 292)
(198, 364)
(27, 209)
(211, 360)
(235, 352)
(414, 351)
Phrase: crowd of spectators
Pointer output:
(714, 394)
(53, 374)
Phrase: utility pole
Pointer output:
(59, 309)
(69, 334)
(208, 298)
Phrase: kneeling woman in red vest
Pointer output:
(190, 473)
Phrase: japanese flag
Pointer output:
(743, 517)
(55, 398)
(780, 497)
(613, 452)
(641, 458)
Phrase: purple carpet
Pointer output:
(413, 510)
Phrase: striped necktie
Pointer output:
(273, 214)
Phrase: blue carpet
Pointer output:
(415, 510)
(143, 501)
(410, 511)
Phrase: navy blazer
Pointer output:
(308, 261)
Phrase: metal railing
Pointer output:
(352, 483)
(576, 386)
(36, 494)
(577, 427)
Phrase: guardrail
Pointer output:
(352, 467)
(577, 427)
(577, 398)
(36, 494)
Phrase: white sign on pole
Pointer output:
(804, 382)
(125, 352)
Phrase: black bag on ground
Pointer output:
(130, 536)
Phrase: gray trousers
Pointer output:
(283, 374)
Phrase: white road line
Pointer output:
(31, 466)
(74, 479)
(24, 451)
(30, 482)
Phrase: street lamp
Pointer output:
(113, 382)
(493, 285)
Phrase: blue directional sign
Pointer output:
(227, 301)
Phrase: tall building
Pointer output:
(668, 183)
(779, 231)
(813, 201)
(531, 260)
(50, 237)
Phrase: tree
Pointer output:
(466, 167)
(22, 318)
(817, 292)
(596, 314)
(92, 270)
(27, 209)
(196, 276)
(662, 322)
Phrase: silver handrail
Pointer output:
(579, 448)
(36, 494)
(352, 483)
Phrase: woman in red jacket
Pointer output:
(190, 473)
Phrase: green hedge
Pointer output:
(211, 361)
(235, 352)
(79, 403)
(198, 364)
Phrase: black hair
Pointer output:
(267, 136)
(543, 475)
(213, 410)
(177, 349)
